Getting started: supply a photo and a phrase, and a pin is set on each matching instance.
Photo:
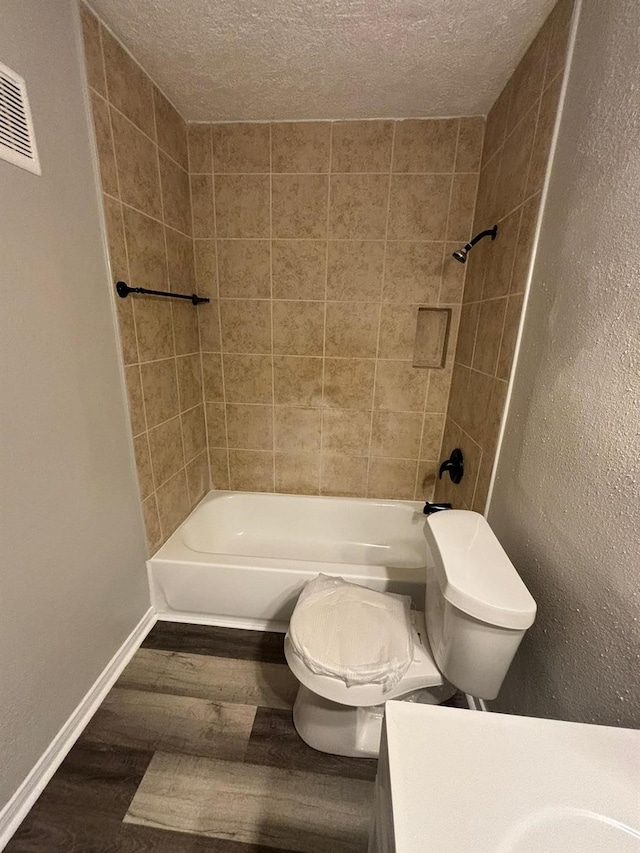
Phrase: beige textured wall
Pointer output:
(567, 492)
(514, 163)
(72, 553)
(142, 145)
(321, 240)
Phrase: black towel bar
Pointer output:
(124, 290)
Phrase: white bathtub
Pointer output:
(241, 558)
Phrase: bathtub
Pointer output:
(241, 558)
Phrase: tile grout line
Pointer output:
(483, 453)
(273, 388)
(446, 228)
(198, 317)
(305, 239)
(444, 173)
(528, 169)
(526, 199)
(492, 298)
(508, 136)
(150, 216)
(305, 121)
(480, 373)
(458, 306)
(119, 199)
(417, 489)
(332, 357)
(332, 409)
(329, 455)
(143, 132)
(324, 317)
(481, 153)
(217, 287)
(484, 271)
(183, 467)
(380, 294)
(471, 439)
(388, 302)
(507, 295)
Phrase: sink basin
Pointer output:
(473, 782)
(561, 830)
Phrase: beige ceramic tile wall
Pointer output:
(142, 147)
(516, 151)
(320, 241)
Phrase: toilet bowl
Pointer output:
(353, 649)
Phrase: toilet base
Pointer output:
(346, 730)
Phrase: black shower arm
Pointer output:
(490, 232)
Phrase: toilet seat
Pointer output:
(347, 631)
(422, 673)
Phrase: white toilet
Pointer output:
(353, 649)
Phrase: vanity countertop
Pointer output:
(472, 782)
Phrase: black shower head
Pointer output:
(461, 254)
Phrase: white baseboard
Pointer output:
(16, 809)
(244, 624)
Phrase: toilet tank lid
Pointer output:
(474, 572)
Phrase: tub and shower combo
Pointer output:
(242, 558)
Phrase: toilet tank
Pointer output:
(477, 608)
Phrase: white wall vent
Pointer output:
(17, 140)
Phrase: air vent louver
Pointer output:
(17, 142)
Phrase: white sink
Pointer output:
(562, 830)
(472, 782)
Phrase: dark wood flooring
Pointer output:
(194, 750)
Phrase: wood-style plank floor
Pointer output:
(194, 749)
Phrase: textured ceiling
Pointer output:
(235, 60)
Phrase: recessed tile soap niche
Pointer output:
(432, 336)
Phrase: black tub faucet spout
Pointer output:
(430, 508)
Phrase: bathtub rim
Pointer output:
(176, 548)
(175, 554)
